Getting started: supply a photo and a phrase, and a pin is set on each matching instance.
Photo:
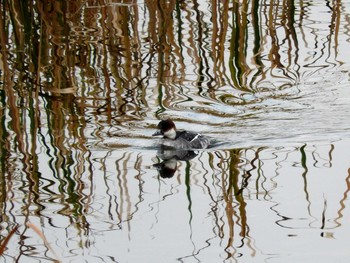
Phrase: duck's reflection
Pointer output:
(170, 157)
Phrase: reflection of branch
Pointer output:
(249, 172)
(28, 160)
(220, 24)
(238, 60)
(228, 198)
(303, 164)
(335, 24)
(342, 201)
(8, 85)
(7, 239)
(274, 55)
(323, 220)
(41, 235)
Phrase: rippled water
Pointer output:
(83, 85)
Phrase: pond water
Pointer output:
(83, 85)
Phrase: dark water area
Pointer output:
(83, 85)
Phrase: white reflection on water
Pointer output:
(292, 197)
(274, 204)
(78, 110)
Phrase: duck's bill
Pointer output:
(157, 133)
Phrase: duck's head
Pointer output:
(167, 129)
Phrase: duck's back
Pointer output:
(195, 141)
(188, 136)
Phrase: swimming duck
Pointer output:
(180, 139)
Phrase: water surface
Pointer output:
(83, 85)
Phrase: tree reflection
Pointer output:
(72, 71)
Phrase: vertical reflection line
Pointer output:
(34, 115)
(159, 46)
(160, 100)
(207, 53)
(200, 47)
(238, 43)
(178, 16)
(203, 34)
(220, 28)
(119, 169)
(34, 111)
(234, 174)
(274, 55)
(234, 45)
(228, 197)
(106, 73)
(48, 186)
(138, 177)
(244, 38)
(215, 36)
(259, 173)
(4, 152)
(179, 48)
(303, 164)
(8, 85)
(289, 13)
(86, 200)
(249, 172)
(188, 194)
(188, 189)
(18, 120)
(335, 23)
(342, 201)
(221, 185)
(324, 214)
(127, 194)
(214, 205)
(103, 161)
(256, 58)
(161, 38)
(329, 36)
(41, 40)
(330, 155)
(215, 184)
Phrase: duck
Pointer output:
(182, 140)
